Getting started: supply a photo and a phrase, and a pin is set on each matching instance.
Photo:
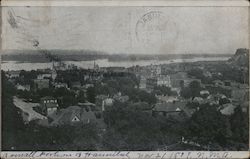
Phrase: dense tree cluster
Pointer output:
(129, 128)
(193, 90)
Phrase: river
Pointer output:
(16, 65)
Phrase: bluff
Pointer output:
(240, 58)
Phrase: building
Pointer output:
(49, 105)
(151, 83)
(176, 109)
(41, 83)
(76, 115)
(164, 80)
(167, 109)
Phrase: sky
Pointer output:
(130, 30)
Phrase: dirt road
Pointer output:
(28, 108)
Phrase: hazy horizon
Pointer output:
(94, 52)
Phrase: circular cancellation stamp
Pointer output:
(155, 28)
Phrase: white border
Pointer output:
(127, 154)
(177, 3)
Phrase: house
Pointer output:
(41, 83)
(164, 80)
(25, 87)
(76, 115)
(49, 105)
(168, 109)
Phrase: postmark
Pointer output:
(154, 28)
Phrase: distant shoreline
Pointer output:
(35, 58)
(17, 65)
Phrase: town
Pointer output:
(200, 105)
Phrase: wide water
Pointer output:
(15, 65)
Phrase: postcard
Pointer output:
(125, 79)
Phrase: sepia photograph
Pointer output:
(124, 78)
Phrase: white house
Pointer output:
(164, 80)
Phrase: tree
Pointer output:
(163, 90)
(67, 101)
(86, 137)
(91, 94)
(198, 73)
(81, 97)
(193, 90)
(131, 129)
(12, 122)
(137, 95)
(208, 125)
(239, 125)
